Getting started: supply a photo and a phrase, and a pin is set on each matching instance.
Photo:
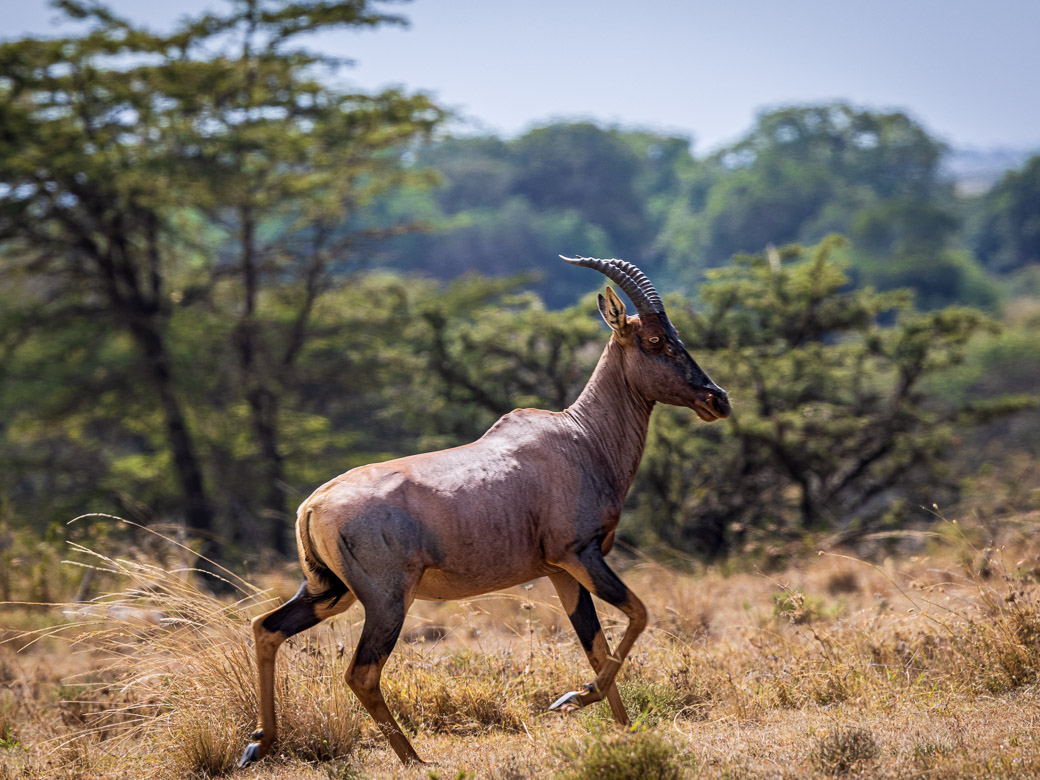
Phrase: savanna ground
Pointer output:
(921, 662)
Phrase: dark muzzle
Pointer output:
(713, 403)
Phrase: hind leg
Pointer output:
(384, 617)
(299, 613)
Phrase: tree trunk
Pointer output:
(264, 406)
(139, 307)
(197, 509)
(263, 401)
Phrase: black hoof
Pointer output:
(257, 735)
(252, 755)
(567, 700)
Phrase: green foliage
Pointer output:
(804, 172)
(632, 755)
(583, 168)
(997, 455)
(939, 278)
(511, 238)
(832, 429)
(105, 138)
(487, 352)
(1009, 235)
(800, 173)
(838, 424)
(505, 207)
(184, 335)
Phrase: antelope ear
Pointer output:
(613, 311)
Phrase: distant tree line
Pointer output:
(799, 174)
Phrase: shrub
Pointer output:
(844, 749)
(631, 755)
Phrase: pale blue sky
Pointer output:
(968, 69)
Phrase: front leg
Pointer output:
(577, 602)
(592, 572)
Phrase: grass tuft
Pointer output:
(630, 755)
(339, 769)
(205, 744)
(648, 702)
(8, 720)
(467, 693)
(174, 666)
(844, 750)
(319, 717)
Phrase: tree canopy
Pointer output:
(801, 173)
(224, 279)
(126, 152)
(1009, 236)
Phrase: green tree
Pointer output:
(832, 429)
(71, 418)
(88, 184)
(110, 141)
(1009, 236)
(803, 172)
(591, 171)
(507, 207)
(511, 239)
(287, 168)
(487, 348)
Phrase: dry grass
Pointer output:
(915, 666)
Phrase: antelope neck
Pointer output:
(612, 417)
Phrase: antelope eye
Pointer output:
(654, 339)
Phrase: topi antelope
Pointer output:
(538, 495)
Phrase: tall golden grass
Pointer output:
(911, 665)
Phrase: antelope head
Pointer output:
(656, 363)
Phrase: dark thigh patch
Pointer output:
(606, 584)
(380, 543)
(299, 613)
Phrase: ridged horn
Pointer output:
(633, 282)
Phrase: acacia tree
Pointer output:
(487, 349)
(833, 429)
(89, 179)
(289, 166)
(108, 139)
